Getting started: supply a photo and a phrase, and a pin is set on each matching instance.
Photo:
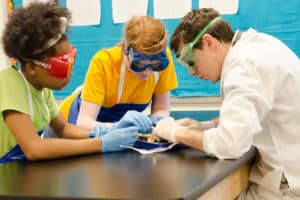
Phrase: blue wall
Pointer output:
(278, 18)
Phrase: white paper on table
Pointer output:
(84, 12)
(222, 6)
(150, 151)
(123, 10)
(168, 9)
(26, 2)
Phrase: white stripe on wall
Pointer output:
(3, 16)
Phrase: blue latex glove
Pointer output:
(135, 118)
(98, 131)
(155, 119)
(113, 139)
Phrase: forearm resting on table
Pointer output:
(59, 148)
(190, 137)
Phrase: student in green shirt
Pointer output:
(35, 37)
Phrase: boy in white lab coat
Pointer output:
(260, 86)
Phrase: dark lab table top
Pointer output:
(176, 174)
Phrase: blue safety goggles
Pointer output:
(140, 62)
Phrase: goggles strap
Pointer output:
(204, 30)
(54, 40)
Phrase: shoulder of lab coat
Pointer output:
(249, 84)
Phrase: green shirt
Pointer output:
(13, 96)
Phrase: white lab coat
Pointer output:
(260, 86)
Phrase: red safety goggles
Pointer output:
(59, 66)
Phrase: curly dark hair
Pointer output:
(193, 22)
(30, 28)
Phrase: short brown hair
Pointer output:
(193, 22)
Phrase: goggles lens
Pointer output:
(60, 66)
(184, 59)
(140, 62)
(185, 55)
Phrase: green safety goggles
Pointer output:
(185, 55)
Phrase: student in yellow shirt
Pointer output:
(128, 76)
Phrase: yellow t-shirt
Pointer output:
(102, 80)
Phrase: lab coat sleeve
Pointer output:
(248, 97)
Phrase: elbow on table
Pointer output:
(34, 155)
(36, 152)
(230, 152)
